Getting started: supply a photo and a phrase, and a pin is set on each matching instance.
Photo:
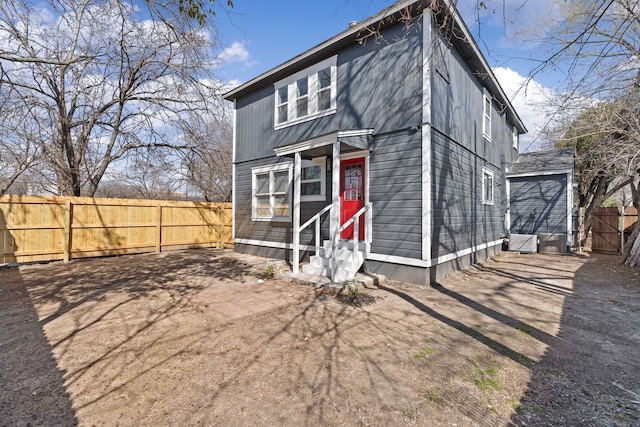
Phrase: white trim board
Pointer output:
(233, 171)
(320, 141)
(540, 173)
(381, 257)
(432, 262)
(278, 245)
(427, 53)
(355, 155)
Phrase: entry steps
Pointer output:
(347, 260)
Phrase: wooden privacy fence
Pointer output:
(34, 228)
(610, 227)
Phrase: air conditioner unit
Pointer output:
(553, 243)
(527, 243)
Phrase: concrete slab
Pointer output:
(238, 301)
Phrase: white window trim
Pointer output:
(486, 172)
(515, 137)
(316, 161)
(486, 97)
(312, 93)
(270, 169)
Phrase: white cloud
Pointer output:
(237, 52)
(532, 101)
(510, 23)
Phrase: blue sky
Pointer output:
(258, 35)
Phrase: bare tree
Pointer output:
(597, 45)
(100, 83)
(152, 174)
(604, 151)
(201, 11)
(208, 162)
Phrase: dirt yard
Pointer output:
(521, 340)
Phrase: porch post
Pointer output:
(297, 168)
(335, 211)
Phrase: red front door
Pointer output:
(351, 194)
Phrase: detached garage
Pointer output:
(540, 189)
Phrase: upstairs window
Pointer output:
(487, 186)
(514, 137)
(282, 105)
(486, 116)
(306, 95)
(324, 89)
(302, 97)
(270, 192)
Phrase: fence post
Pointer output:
(580, 228)
(622, 231)
(159, 227)
(68, 230)
(221, 214)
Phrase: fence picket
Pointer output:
(41, 228)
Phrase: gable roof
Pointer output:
(543, 162)
(463, 40)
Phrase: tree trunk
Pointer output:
(631, 252)
(632, 248)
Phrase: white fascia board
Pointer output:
(541, 173)
(309, 144)
(320, 141)
(355, 132)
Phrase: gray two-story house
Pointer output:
(386, 145)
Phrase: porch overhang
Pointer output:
(354, 139)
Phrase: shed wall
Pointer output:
(539, 204)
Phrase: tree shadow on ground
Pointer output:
(590, 374)
(32, 390)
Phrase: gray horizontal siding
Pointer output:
(457, 107)
(539, 204)
(396, 194)
(379, 86)
(460, 219)
(271, 231)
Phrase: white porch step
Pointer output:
(317, 270)
(343, 276)
(347, 263)
(326, 250)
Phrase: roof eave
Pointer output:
(351, 32)
(318, 50)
